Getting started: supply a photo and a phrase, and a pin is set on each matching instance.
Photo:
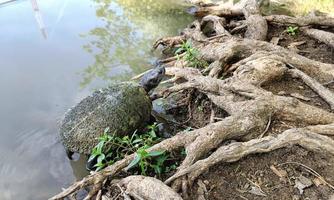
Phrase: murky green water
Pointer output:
(52, 59)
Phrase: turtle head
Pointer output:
(151, 79)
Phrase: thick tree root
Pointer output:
(322, 36)
(323, 92)
(235, 151)
(301, 21)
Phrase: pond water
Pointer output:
(53, 58)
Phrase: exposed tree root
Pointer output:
(322, 36)
(323, 92)
(235, 151)
(257, 27)
(301, 21)
(252, 62)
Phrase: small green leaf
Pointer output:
(98, 165)
(157, 169)
(125, 138)
(152, 134)
(155, 153)
(179, 50)
(188, 43)
(189, 129)
(184, 152)
(91, 157)
(109, 155)
(94, 152)
(134, 162)
(106, 130)
(161, 159)
(99, 147)
(101, 158)
(137, 140)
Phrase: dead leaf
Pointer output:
(302, 182)
(257, 191)
(318, 181)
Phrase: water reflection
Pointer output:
(121, 47)
(39, 79)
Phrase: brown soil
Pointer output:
(235, 180)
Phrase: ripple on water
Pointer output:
(20, 170)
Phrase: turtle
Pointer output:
(123, 107)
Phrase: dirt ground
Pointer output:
(253, 177)
(236, 180)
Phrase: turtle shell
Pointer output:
(123, 107)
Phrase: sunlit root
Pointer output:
(215, 24)
(235, 151)
(286, 108)
(244, 48)
(301, 21)
(323, 92)
(222, 10)
(322, 36)
(257, 27)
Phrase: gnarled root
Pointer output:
(235, 151)
(322, 36)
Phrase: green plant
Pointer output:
(292, 30)
(200, 108)
(100, 149)
(145, 160)
(191, 55)
(112, 148)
